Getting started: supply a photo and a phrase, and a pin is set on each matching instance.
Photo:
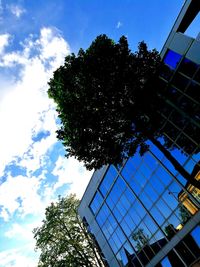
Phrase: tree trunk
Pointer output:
(175, 163)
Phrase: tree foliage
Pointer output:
(109, 103)
(103, 99)
(63, 239)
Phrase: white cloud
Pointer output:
(18, 258)
(23, 195)
(16, 10)
(119, 24)
(26, 103)
(72, 172)
(4, 41)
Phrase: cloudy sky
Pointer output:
(35, 36)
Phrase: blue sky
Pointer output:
(35, 36)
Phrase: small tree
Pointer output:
(108, 101)
(63, 239)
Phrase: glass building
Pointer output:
(145, 213)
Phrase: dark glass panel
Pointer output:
(197, 76)
(172, 59)
(174, 260)
(180, 81)
(193, 90)
(166, 72)
(183, 250)
(173, 94)
(188, 67)
(108, 180)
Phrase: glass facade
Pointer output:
(145, 212)
(141, 205)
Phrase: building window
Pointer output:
(108, 180)
(188, 67)
(172, 59)
(96, 203)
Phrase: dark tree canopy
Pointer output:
(110, 102)
(63, 239)
(102, 97)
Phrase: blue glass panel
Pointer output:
(151, 224)
(129, 195)
(103, 214)
(120, 235)
(113, 245)
(124, 258)
(112, 221)
(157, 215)
(114, 195)
(151, 193)
(196, 235)
(132, 218)
(105, 230)
(172, 58)
(164, 208)
(117, 241)
(157, 184)
(96, 202)
(125, 202)
(121, 208)
(126, 228)
(145, 200)
(117, 214)
(108, 180)
(165, 262)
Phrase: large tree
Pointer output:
(63, 238)
(109, 103)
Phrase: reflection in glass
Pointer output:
(165, 262)
(96, 202)
(108, 180)
(196, 235)
(172, 59)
